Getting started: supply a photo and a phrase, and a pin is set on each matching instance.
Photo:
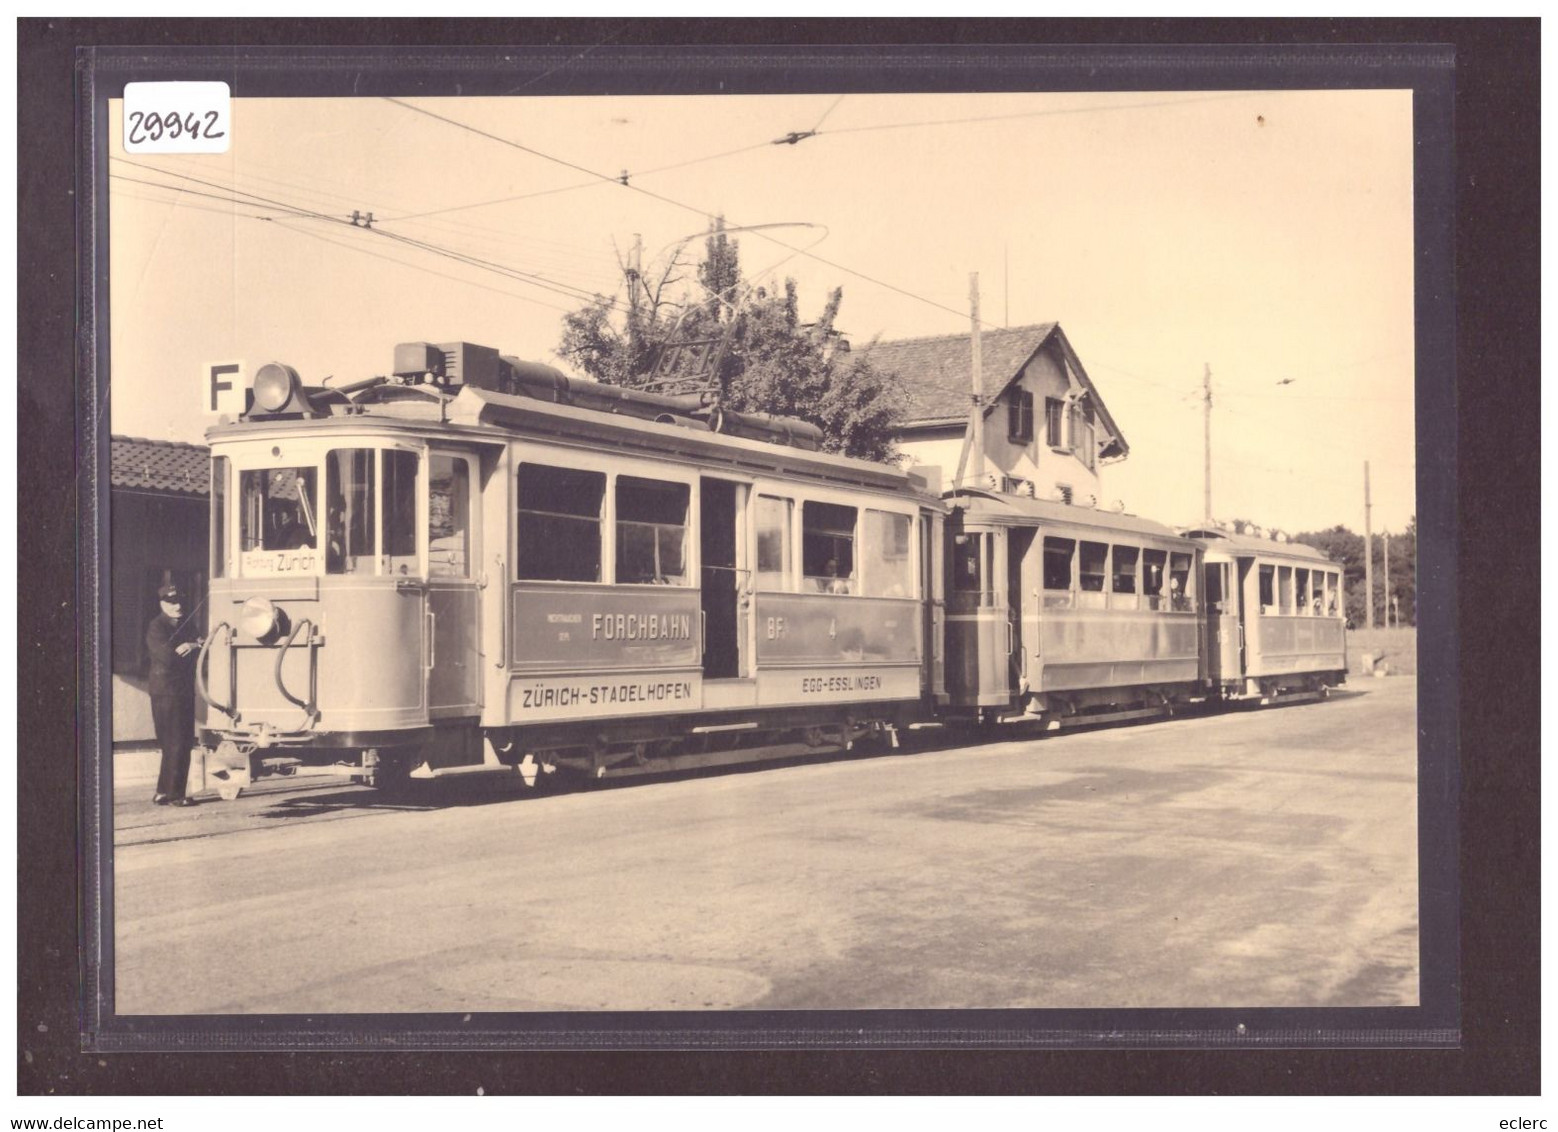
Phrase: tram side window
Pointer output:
(349, 537)
(1333, 594)
(448, 517)
(1125, 561)
(1058, 556)
(1284, 589)
(219, 517)
(559, 524)
(828, 547)
(399, 521)
(773, 543)
(1180, 594)
(1152, 563)
(972, 584)
(279, 510)
(1301, 591)
(1093, 575)
(885, 566)
(651, 532)
(1268, 588)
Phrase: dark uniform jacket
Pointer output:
(171, 674)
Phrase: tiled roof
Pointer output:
(935, 371)
(159, 465)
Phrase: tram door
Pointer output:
(723, 592)
(1019, 583)
(1222, 619)
(453, 588)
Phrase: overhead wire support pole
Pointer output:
(976, 367)
(1368, 548)
(974, 434)
(1206, 394)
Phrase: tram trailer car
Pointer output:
(1061, 615)
(477, 563)
(1275, 627)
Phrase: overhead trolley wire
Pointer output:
(676, 204)
(519, 275)
(314, 235)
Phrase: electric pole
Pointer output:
(979, 377)
(1368, 547)
(1206, 415)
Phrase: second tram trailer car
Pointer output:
(478, 563)
(1061, 614)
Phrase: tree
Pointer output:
(1342, 545)
(773, 362)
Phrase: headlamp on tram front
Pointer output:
(260, 619)
(277, 389)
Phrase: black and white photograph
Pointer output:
(785, 552)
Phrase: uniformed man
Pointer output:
(173, 647)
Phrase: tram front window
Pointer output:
(279, 523)
(350, 544)
(400, 512)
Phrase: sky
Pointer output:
(1267, 235)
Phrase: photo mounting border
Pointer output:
(534, 71)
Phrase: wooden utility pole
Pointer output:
(1368, 547)
(979, 377)
(974, 435)
(1206, 396)
(635, 270)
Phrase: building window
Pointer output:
(559, 524)
(1082, 432)
(1019, 416)
(828, 547)
(1054, 422)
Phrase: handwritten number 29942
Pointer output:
(145, 127)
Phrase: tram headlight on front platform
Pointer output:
(260, 618)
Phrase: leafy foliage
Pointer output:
(1344, 546)
(773, 362)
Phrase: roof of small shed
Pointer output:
(159, 465)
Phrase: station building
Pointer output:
(159, 518)
(1046, 429)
